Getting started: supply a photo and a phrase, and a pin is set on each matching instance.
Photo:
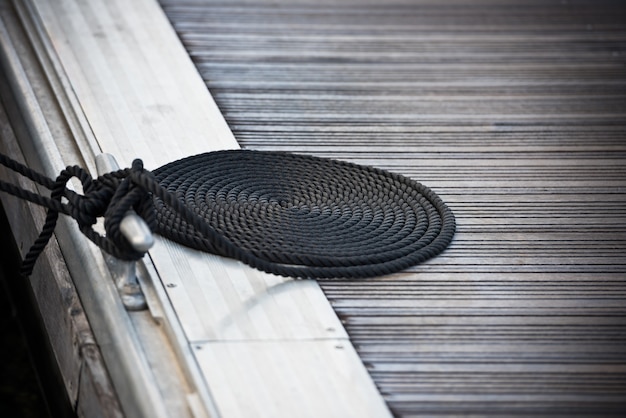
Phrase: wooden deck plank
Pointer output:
(513, 112)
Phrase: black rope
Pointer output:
(110, 196)
(282, 213)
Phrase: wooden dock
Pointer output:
(515, 113)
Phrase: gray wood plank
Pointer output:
(514, 112)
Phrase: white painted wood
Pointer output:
(219, 299)
(290, 369)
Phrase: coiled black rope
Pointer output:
(282, 213)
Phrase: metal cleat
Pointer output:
(135, 230)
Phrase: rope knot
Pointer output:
(87, 208)
(112, 196)
(127, 194)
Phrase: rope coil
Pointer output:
(282, 213)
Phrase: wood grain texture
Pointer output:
(515, 114)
